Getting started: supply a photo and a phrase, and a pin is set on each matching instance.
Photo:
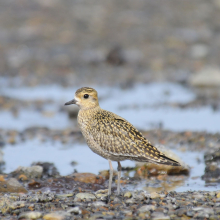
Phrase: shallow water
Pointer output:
(146, 106)
(27, 118)
(24, 154)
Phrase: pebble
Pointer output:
(190, 213)
(75, 210)
(12, 185)
(56, 216)
(98, 203)
(13, 182)
(88, 178)
(199, 51)
(172, 206)
(102, 197)
(207, 77)
(128, 194)
(102, 194)
(30, 172)
(64, 195)
(30, 215)
(130, 201)
(85, 196)
(17, 205)
(146, 208)
(159, 216)
(154, 195)
(197, 209)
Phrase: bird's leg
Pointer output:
(110, 178)
(119, 177)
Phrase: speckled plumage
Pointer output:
(110, 135)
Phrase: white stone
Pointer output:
(208, 77)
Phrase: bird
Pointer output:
(113, 137)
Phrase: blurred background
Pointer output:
(154, 62)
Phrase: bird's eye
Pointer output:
(86, 96)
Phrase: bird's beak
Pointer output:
(70, 102)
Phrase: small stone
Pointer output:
(146, 208)
(12, 185)
(139, 197)
(198, 196)
(175, 206)
(102, 191)
(2, 179)
(102, 197)
(154, 195)
(30, 172)
(159, 216)
(13, 182)
(130, 201)
(190, 213)
(49, 170)
(16, 205)
(202, 215)
(207, 77)
(88, 178)
(141, 215)
(102, 194)
(117, 200)
(98, 204)
(127, 212)
(128, 194)
(85, 196)
(30, 215)
(212, 193)
(22, 177)
(181, 212)
(199, 51)
(56, 216)
(210, 211)
(75, 210)
(64, 195)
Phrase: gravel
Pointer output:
(173, 205)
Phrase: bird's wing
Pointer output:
(118, 137)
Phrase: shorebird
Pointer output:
(113, 137)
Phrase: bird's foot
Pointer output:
(108, 199)
(118, 193)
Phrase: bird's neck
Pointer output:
(88, 112)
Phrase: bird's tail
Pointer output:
(168, 161)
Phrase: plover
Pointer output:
(113, 137)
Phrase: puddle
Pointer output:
(142, 105)
(24, 154)
(191, 183)
(56, 93)
(174, 119)
(28, 118)
(150, 94)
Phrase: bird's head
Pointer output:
(85, 98)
